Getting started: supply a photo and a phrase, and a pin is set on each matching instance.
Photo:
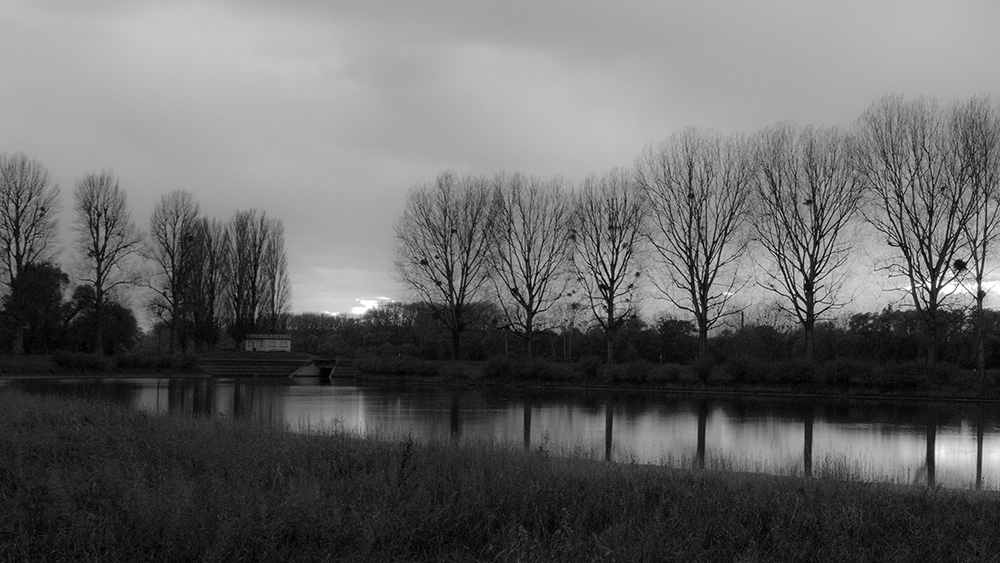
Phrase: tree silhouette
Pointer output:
(607, 231)
(911, 164)
(531, 250)
(697, 185)
(107, 239)
(808, 193)
(442, 247)
(29, 206)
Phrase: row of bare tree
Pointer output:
(208, 274)
(694, 207)
(201, 275)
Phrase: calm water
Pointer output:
(948, 443)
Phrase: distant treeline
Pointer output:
(410, 330)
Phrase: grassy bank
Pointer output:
(839, 377)
(88, 481)
(75, 363)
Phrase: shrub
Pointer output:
(795, 371)
(421, 368)
(186, 362)
(590, 367)
(567, 373)
(671, 373)
(614, 373)
(907, 375)
(497, 367)
(152, 363)
(137, 362)
(394, 365)
(82, 361)
(844, 371)
(534, 369)
(743, 369)
(450, 370)
(637, 371)
(371, 363)
(941, 373)
(703, 368)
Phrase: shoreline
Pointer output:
(566, 376)
(392, 380)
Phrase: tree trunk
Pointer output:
(99, 320)
(981, 358)
(702, 320)
(809, 324)
(809, 330)
(931, 325)
(609, 337)
(609, 332)
(980, 335)
(456, 344)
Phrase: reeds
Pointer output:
(87, 481)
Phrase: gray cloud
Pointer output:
(324, 114)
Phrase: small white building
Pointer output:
(268, 343)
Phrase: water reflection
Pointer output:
(953, 444)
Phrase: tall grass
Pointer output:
(86, 481)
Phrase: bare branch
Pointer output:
(697, 185)
(107, 239)
(530, 252)
(608, 232)
(442, 246)
(808, 193)
(911, 162)
(168, 248)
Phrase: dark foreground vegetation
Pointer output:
(86, 481)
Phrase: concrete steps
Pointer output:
(254, 364)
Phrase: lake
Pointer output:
(954, 444)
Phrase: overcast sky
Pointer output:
(324, 113)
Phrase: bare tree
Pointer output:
(809, 193)
(607, 231)
(910, 164)
(277, 299)
(442, 246)
(247, 235)
(29, 205)
(531, 250)
(698, 186)
(206, 290)
(107, 238)
(977, 127)
(170, 247)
